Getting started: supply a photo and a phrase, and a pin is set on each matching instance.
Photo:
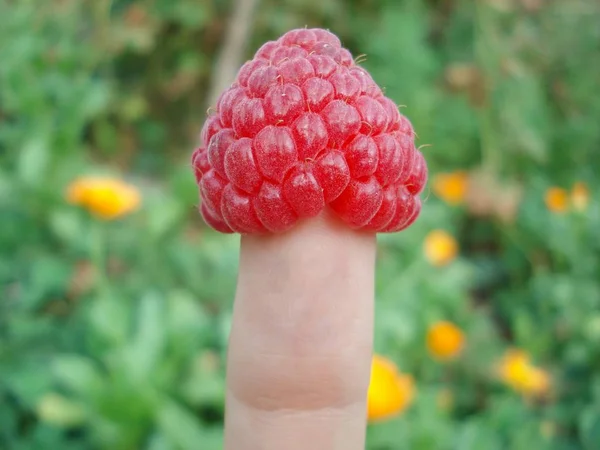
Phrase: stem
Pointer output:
(98, 253)
(231, 55)
(486, 55)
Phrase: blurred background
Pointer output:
(115, 298)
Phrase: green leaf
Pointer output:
(109, 319)
(163, 214)
(589, 428)
(33, 161)
(180, 426)
(145, 348)
(159, 441)
(67, 225)
(475, 435)
(48, 277)
(186, 319)
(28, 383)
(77, 373)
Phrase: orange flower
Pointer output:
(440, 248)
(451, 187)
(557, 200)
(580, 196)
(107, 198)
(390, 392)
(445, 340)
(517, 371)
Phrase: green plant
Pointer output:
(112, 334)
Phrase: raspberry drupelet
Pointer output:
(301, 129)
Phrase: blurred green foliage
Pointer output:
(112, 335)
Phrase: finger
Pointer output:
(301, 340)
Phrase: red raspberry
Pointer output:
(303, 128)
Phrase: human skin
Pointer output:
(301, 341)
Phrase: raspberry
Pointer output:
(301, 129)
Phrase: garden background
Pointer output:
(114, 322)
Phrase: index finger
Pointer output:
(301, 340)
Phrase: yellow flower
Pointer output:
(390, 392)
(451, 187)
(107, 198)
(445, 340)
(517, 371)
(557, 200)
(440, 247)
(580, 196)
